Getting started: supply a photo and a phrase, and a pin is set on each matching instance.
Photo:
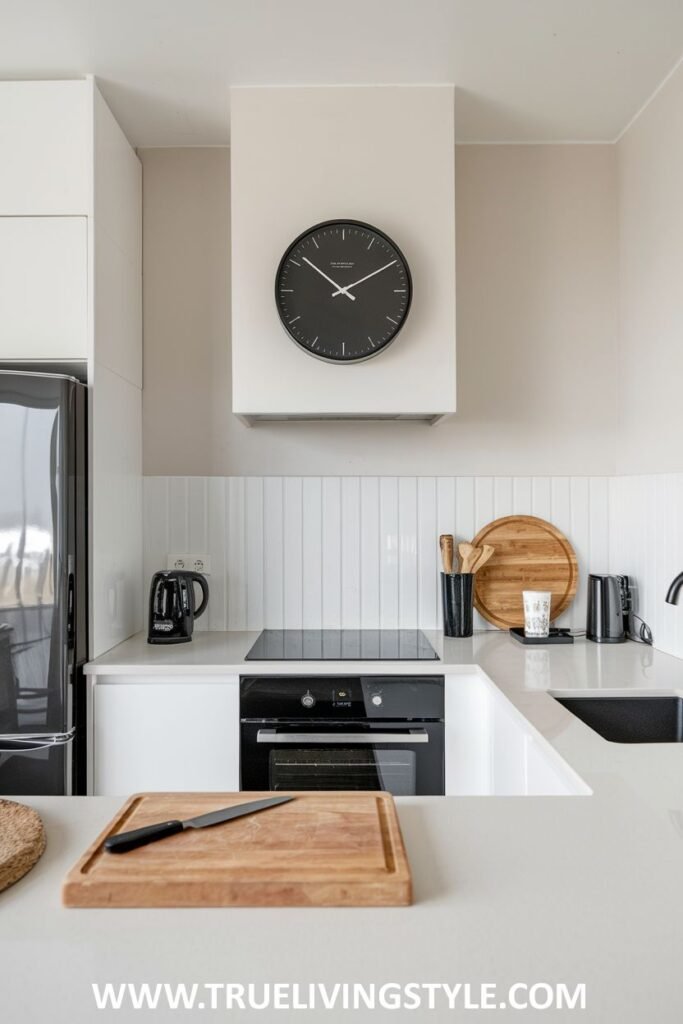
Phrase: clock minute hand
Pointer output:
(345, 290)
(322, 273)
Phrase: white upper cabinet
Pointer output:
(383, 156)
(45, 142)
(44, 287)
(71, 290)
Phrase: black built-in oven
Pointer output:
(343, 733)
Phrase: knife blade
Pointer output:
(124, 841)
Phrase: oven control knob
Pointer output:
(377, 700)
(308, 700)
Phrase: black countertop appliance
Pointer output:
(172, 608)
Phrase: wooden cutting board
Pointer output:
(22, 841)
(319, 850)
(530, 554)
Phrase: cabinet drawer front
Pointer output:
(43, 288)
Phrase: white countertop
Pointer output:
(507, 889)
(526, 675)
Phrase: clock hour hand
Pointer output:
(360, 281)
(340, 289)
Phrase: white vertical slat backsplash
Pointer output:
(331, 560)
(388, 552)
(363, 551)
(350, 552)
(254, 553)
(312, 551)
(646, 543)
(273, 560)
(369, 552)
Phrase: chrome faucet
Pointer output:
(672, 592)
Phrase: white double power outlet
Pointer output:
(189, 563)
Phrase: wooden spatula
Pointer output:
(485, 552)
(447, 552)
(469, 555)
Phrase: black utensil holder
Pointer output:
(457, 593)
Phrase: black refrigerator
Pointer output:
(43, 583)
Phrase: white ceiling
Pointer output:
(526, 70)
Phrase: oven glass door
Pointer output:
(398, 758)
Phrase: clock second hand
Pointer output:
(323, 274)
(345, 290)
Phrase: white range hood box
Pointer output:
(379, 154)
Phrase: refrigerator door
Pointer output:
(31, 766)
(42, 566)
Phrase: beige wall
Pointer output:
(650, 166)
(536, 318)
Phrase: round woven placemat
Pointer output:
(22, 841)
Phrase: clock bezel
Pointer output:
(336, 221)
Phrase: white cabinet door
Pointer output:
(43, 288)
(45, 141)
(492, 750)
(165, 734)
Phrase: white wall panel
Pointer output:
(363, 552)
(388, 556)
(236, 555)
(540, 497)
(579, 514)
(273, 567)
(217, 613)
(350, 552)
(646, 543)
(312, 540)
(407, 552)
(292, 553)
(255, 563)
(503, 503)
(331, 560)
(428, 559)
(521, 495)
(369, 551)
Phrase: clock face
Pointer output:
(343, 291)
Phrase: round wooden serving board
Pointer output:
(530, 554)
(22, 841)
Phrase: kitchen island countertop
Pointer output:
(583, 889)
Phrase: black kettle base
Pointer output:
(169, 639)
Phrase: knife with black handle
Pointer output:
(125, 841)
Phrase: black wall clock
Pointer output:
(343, 290)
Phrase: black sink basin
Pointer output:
(630, 719)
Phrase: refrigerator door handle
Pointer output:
(70, 611)
(18, 742)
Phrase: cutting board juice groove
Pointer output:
(321, 849)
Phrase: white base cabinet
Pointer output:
(492, 750)
(165, 734)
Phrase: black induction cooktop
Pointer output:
(342, 645)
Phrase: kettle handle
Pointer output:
(201, 580)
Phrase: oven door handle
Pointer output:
(368, 738)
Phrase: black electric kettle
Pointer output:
(172, 606)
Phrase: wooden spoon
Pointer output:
(469, 555)
(447, 552)
(486, 550)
